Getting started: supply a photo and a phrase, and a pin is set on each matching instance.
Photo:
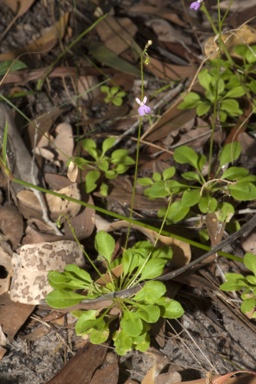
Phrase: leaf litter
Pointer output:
(207, 336)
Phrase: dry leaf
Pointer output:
(30, 208)
(32, 263)
(17, 6)
(116, 33)
(11, 224)
(245, 35)
(57, 150)
(165, 32)
(5, 265)
(47, 41)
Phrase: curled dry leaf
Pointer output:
(18, 7)
(30, 207)
(11, 224)
(5, 265)
(32, 263)
(57, 150)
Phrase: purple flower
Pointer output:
(196, 5)
(143, 109)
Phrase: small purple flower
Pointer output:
(196, 5)
(143, 109)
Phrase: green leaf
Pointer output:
(107, 144)
(61, 298)
(190, 101)
(59, 281)
(251, 54)
(117, 101)
(235, 92)
(171, 309)
(231, 107)
(229, 153)
(119, 155)
(130, 262)
(152, 269)
(122, 342)
(191, 176)
(203, 108)
(250, 262)
(79, 272)
(142, 342)
(157, 190)
(99, 336)
(90, 180)
(251, 279)
(90, 146)
(168, 173)
(150, 292)
(105, 89)
(84, 325)
(105, 245)
(176, 212)
(234, 173)
(145, 181)
(207, 204)
(225, 212)
(186, 155)
(190, 197)
(248, 305)
(103, 164)
(11, 66)
(149, 313)
(104, 189)
(131, 323)
(205, 79)
(243, 191)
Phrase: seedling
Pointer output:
(127, 320)
(114, 95)
(244, 284)
(101, 164)
(195, 190)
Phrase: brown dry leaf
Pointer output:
(42, 124)
(13, 315)
(18, 7)
(3, 339)
(11, 224)
(2, 352)
(150, 377)
(59, 149)
(117, 34)
(5, 265)
(30, 208)
(50, 36)
(243, 379)
(245, 35)
(32, 263)
(109, 372)
(166, 32)
(224, 379)
(236, 6)
(86, 86)
(159, 11)
(36, 334)
(81, 367)
(171, 120)
(169, 71)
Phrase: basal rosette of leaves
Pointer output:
(246, 285)
(194, 190)
(100, 166)
(225, 83)
(127, 320)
